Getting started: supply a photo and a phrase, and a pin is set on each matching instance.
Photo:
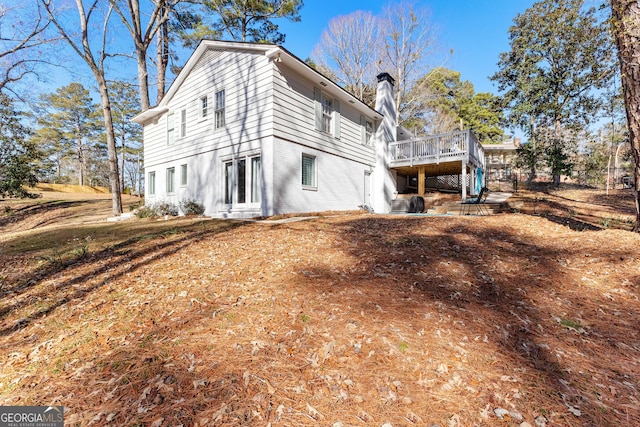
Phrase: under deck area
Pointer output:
(451, 159)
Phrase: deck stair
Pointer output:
(437, 203)
(453, 208)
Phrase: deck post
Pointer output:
(472, 182)
(464, 179)
(421, 181)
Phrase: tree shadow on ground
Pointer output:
(114, 262)
(481, 279)
(402, 255)
(21, 214)
(576, 218)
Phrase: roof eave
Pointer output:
(149, 114)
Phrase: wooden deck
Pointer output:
(446, 154)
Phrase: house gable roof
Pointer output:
(277, 53)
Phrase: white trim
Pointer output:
(201, 116)
(248, 184)
(184, 173)
(304, 186)
(172, 181)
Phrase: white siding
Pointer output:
(246, 80)
(294, 118)
(269, 111)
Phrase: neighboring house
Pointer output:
(251, 130)
(500, 159)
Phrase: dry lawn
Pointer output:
(348, 320)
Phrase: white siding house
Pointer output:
(250, 130)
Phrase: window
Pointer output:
(183, 123)
(308, 171)
(219, 112)
(327, 113)
(171, 173)
(152, 183)
(183, 175)
(170, 125)
(256, 173)
(368, 132)
(228, 183)
(242, 180)
(204, 104)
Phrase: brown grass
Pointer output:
(342, 320)
(68, 188)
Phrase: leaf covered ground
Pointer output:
(344, 320)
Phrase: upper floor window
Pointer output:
(366, 130)
(327, 113)
(204, 106)
(183, 123)
(170, 129)
(219, 109)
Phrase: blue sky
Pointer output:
(476, 30)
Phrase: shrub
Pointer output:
(166, 208)
(146, 212)
(157, 209)
(191, 207)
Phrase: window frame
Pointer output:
(327, 108)
(313, 185)
(183, 175)
(368, 132)
(219, 109)
(170, 183)
(203, 106)
(151, 187)
(171, 136)
(183, 123)
(242, 190)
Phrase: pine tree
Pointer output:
(18, 156)
(69, 123)
(561, 54)
(626, 27)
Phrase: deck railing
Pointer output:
(461, 145)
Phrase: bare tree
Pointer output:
(142, 35)
(83, 46)
(349, 48)
(358, 46)
(409, 37)
(22, 35)
(626, 29)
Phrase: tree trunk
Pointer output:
(114, 176)
(80, 158)
(558, 137)
(626, 22)
(143, 79)
(84, 50)
(163, 55)
(122, 162)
